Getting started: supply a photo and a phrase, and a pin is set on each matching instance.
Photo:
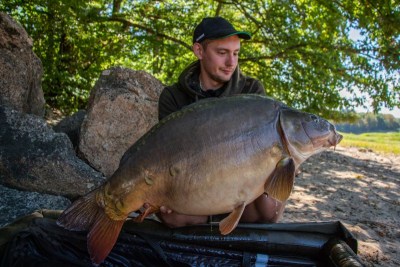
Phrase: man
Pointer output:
(216, 44)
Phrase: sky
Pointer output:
(355, 35)
(395, 112)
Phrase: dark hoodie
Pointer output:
(187, 90)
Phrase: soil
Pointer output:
(361, 189)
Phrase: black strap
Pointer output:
(157, 248)
(246, 261)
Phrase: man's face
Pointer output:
(219, 59)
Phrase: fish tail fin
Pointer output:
(86, 215)
(102, 237)
(81, 215)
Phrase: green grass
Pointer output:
(388, 143)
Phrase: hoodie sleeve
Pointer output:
(257, 88)
(166, 103)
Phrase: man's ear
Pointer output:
(198, 50)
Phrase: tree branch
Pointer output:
(116, 6)
(147, 29)
(219, 7)
(277, 55)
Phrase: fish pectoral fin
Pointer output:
(229, 223)
(149, 210)
(102, 237)
(279, 185)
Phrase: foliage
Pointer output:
(300, 50)
(378, 142)
(371, 123)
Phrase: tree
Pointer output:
(368, 122)
(301, 49)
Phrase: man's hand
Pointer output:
(263, 210)
(165, 210)
(173, 219)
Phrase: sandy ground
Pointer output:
(361, 189)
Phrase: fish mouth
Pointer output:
(335, 140)
(330, 138)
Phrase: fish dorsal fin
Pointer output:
(279, 185)
(229, 223)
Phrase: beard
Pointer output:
(220, 78)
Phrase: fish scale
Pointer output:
(212, 157)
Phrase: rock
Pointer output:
(71, 126)
(35, 158)
(20, 69)
(122, 107)
(14, 203)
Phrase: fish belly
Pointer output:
(220, 189)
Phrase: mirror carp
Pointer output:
(212, 157)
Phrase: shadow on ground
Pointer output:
(359, 188)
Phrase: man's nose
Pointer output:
(230, 60)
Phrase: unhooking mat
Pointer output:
(36, 240)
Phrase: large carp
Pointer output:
(212, 157)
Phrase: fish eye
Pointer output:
(314, 118)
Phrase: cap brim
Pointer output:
(241, 34)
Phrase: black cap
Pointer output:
(216, 28)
